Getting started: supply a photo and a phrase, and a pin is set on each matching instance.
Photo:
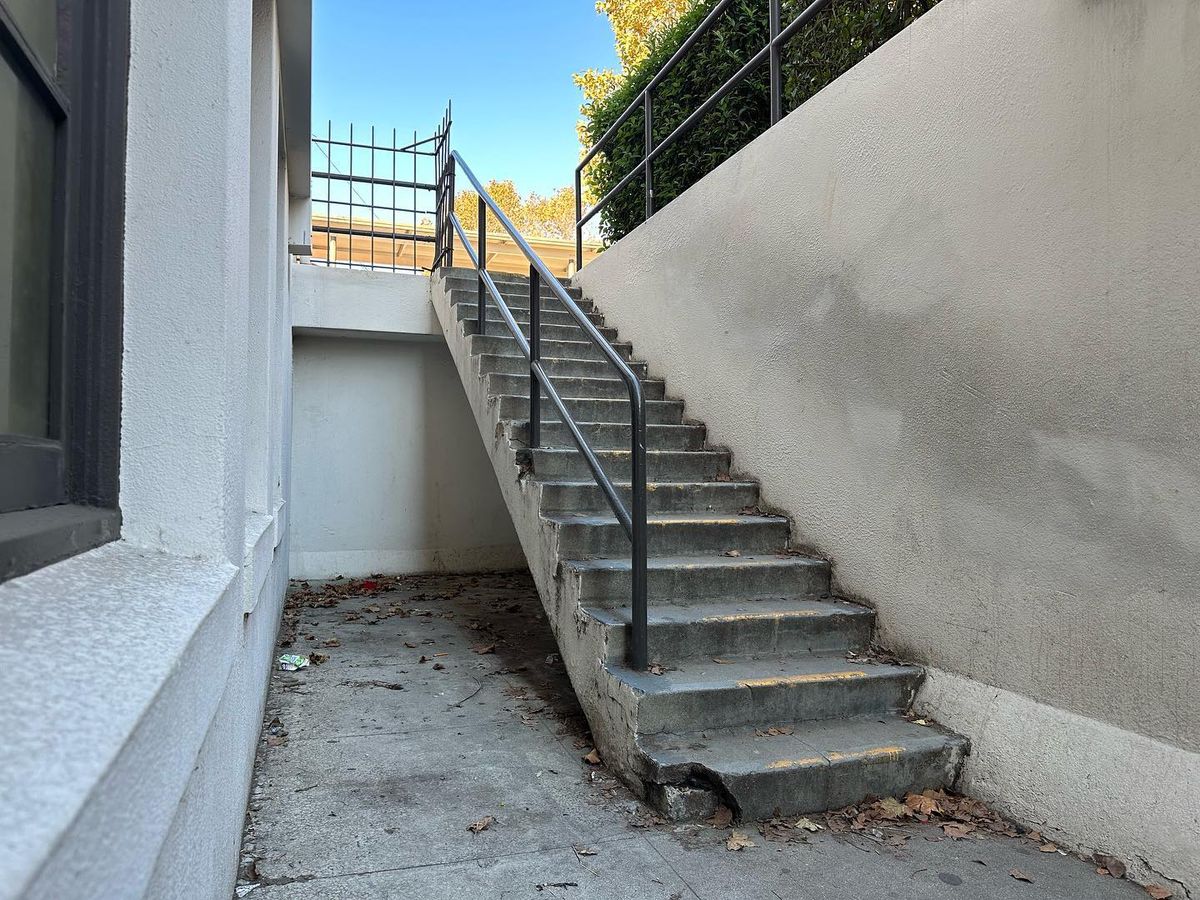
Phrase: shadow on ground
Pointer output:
(436, 751)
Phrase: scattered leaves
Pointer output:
(775, 731)
(1159, 892)
(1020, 876)
(1108, 865)
(1048, 848)
(481, 825)
(483, 649)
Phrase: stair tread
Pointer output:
(618, 453)
(822, 742)
(650, 485)
(772, 560)
(731, 610)
(688, 675)
(666, 518)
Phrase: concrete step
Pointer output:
(549, 332)
(584, 495)
(573, 386)
(615, 435)
(591, 409)
(465, 311)
(514, 299)
(466, 277)
(765, 690)
(821, 765)
(506, 345)
(661, 465)
(690, 579)
(723, 628)
(555, 365)
(669, 534)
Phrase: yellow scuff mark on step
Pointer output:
(810, 678)
(796, 763)
(891, 752)
(777, 614)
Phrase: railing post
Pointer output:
(482, 263)
(638, 652)
(776, 63)
(450, 195)
(535, 357)
(648, 140)
(578, 216)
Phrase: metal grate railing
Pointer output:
(771, 54)
(375, 200)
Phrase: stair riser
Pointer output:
(563, 368)
(551, 317)
(711, 497)
(598, 388)
(666, 465)
(765, 635)
(505, 344)
(672, 539)
(680, 585)
(658, 412)
(794, 792)
(549, 332)
(613, 436)
(762, 706)
(465, 292)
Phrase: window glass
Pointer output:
(27, 159)
(37, 21)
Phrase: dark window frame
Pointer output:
(58, 497)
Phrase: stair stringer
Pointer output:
(609, 705)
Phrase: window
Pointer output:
(63, 73)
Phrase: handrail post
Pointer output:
(578, 216)
(449, 211)
(638, 652)
(482, 263)
(648, 141)
(776, 58)
(535, 358)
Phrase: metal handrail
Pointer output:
(772, 52)
(633, 521)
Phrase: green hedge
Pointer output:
(837, 38)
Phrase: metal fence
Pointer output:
(375, 198)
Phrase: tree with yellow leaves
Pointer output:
(534, 215)
(634, 23)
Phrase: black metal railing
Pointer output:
(772, 53)
(632, 517)
(362, 186)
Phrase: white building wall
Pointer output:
(134, 675)
(946, 311)
(389, 474)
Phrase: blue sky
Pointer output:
(506, 64)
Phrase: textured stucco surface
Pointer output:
(388, 471)
(946, 312)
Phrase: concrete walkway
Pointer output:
(375, 764)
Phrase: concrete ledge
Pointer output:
(1092, 786)
(491, 558)
(351, 303)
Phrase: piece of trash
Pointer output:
(556, 884)
(292, 662)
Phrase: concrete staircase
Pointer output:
(762, 695)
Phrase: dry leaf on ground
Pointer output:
(775, 731)
(593, 758)
(1048, 848)
(738, 840)
(1159, 892)
(484, 649)
(721, 818)
(482, 825)
(1020, 876)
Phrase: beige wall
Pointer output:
(951, 322)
